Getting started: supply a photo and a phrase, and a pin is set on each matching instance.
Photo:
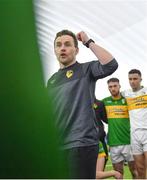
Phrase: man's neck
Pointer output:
(117, 96)
(62, 66)
(137, 89)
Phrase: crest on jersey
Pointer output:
(69, 73)
(123, 101)
(95, 105)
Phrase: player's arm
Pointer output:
(102, 54)
(107, 174)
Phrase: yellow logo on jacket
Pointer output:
(95, 105)
(69, 73)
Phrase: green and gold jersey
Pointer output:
(101, 150)
(118, 121)
(137, 105)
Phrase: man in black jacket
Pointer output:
(72, 90)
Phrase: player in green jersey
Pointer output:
(118, 128)
(100, 168)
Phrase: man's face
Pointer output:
(65, 50)
(135, 81)
(114, 88)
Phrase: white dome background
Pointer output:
(120, 26)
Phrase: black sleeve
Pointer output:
(99, 71)
(101, 111)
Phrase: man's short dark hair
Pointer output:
(113, 80)
(67, 32)
(135, 71)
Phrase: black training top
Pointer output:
(101, 116)
(73, 92)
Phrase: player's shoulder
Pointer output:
(52, 79)
(107, 99)
(89, 63)
(126, 92)
(144, 89)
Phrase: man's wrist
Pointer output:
(88, 43)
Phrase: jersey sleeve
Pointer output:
(103, 113)
(99, 71)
